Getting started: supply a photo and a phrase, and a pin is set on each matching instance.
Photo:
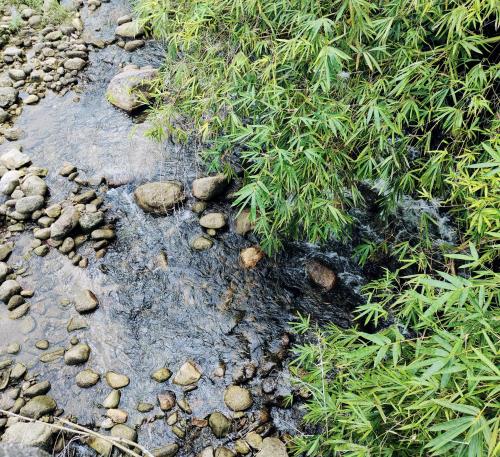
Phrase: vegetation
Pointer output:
(320, 98)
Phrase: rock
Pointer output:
(201, 243)
(31, 99)
(242, 223)
(166, 400)
(53, 211)
(76, 323)
(224, 452)
(159, 197)
(8, 96)
(238, 398)
(254, 440)
(251, 256)
(128, 89)
(125, 432)
(219, 424)
(123, 19)
(16, 74)
(40, 406)
(14, 159)
(18, 371)
(42, 345)
(241, 447)
(161, 375)
(77, 354)
(207, 452)
(87, 378)
(272, 447)
(169, 450)
(112, 400)
(67, 245)
(130, 29)
(40, 388)
(103, 234)
(102, 446)
(187, 374)
(4, 271)
(19, 312)
(34, 434)
(86, 301)
(144, 407)
(74, 64)
(13, 348)
(118, 416)
(34, 185)
(321, 274)
(19, 450)
(41, 251)
(66, 222)
(116, 381)
(89, 221)
(54, 36)
(131, 46)
(9, 182)
(27, 205)
(209, 187)
(67, 169)
(8, 289)
(213, 220)
(5, 250)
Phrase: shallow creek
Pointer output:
(201, 305)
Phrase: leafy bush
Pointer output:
(321, 95)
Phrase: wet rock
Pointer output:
(77, 354)
(272, 447)
(5, 250)
(118, 416)
(131, 46)
(52, 356)
(31, 99)
(18, 371)
(67, 169)
(201, 243)
(34, 185)
(242, 223)
(76, 323)
(38, 407)
(251, 256)
(89, 221)
(125, 432)
(116, 381)
(42, 345)
(128, 89)
(87, 378)
(169, 450)
(219, 424)
(159, 197)
(41, 251)
(209, 187)
(9, 288)
(213, 220)
(86, 301)
(40, 388)
(8, 96)
(144, 407)
(130, 29)
(187, 374)
(74, 64)
(103, 234)
(34, 434)
(13, 348)
(27, 205)
(66, 222)
(9, 182)
(161, 375)
(166, 400)
(100, 445)
(237, 398)
(4, 271)
(321, 274)
(112, 400)
(14, 159)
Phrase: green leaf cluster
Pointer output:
(319, 96)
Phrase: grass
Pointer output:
(317, 99)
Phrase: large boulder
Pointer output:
(128, 90)
(159, 197)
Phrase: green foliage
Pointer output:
(320, 95)
(431, 391)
